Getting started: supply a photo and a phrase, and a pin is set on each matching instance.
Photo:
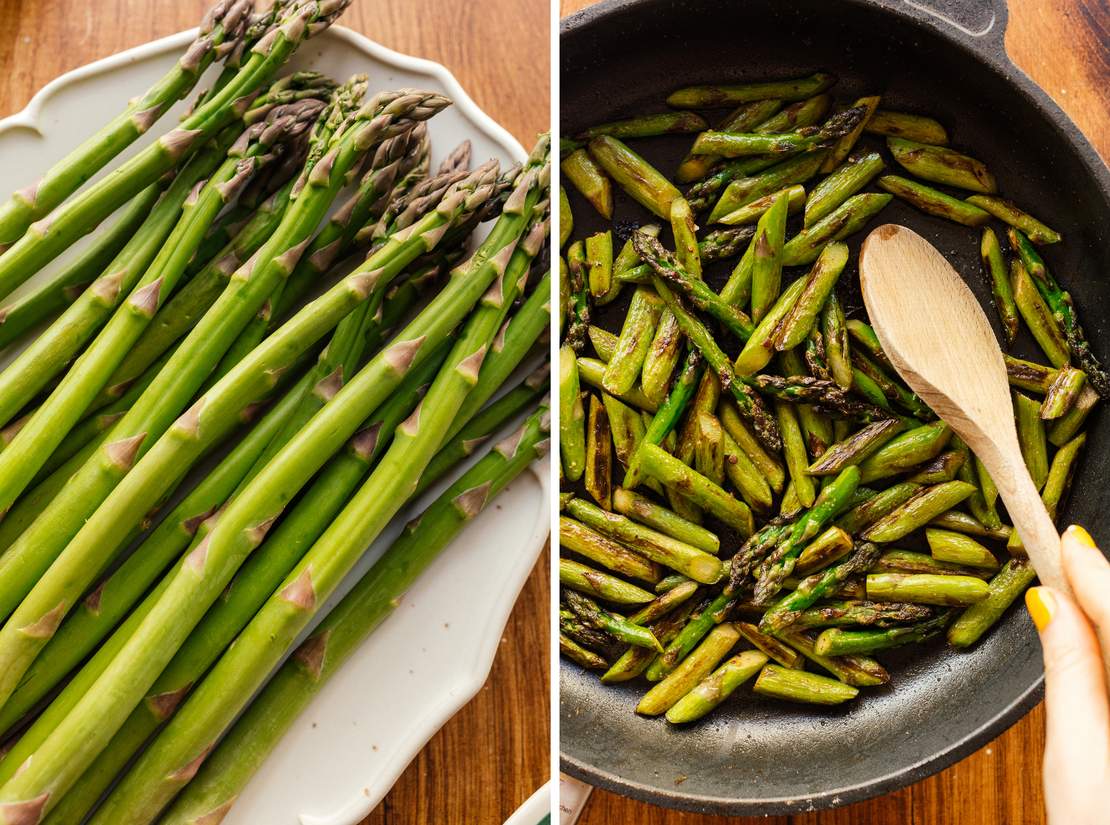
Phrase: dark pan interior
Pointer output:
(755, 756)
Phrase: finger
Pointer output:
(1088, 574)
(1075, 700)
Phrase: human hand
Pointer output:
(1075, 636)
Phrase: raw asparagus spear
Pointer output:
(352, 620)
(152, 415)
(80, 214)
(68, 285)
(53, 350)
(111, 600)
(62, 756)
(277, 623)
(220, 30)
(61, 411)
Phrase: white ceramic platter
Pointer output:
(428, 659)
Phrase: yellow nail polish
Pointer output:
(1082, 536)
(1041, 606)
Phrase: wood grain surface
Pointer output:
(495, 753)
(1064, 45)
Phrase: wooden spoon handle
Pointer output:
(1033, 523)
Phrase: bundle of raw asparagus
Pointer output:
(322, 365)
(772, 471)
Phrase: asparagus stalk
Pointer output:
(56, 232)
(598, 477)
(635, 175)
(1063, 312)
(353, 619)
(717, 95)
(276, 625)
(98, 539)
(717, 687)
(780, 563)
(52, 351)
(863, 613)
(588, 178)
(67, 286)
(1007, 212)
(939, 164)
(220, 30)
(22, 458)
(799, 686)
(111, 600)
(796, 116)
(651, 544)
(59, 760)
(615, 625)
(923, 588)
(646, 511)
(912, 127)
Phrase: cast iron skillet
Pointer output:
(622, 57)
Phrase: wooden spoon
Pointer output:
(937, 337)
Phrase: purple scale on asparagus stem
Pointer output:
(198, 556)
(411, 425)
(469, 445)
(121, 454)
(469, 367)
(187, 771)
(364, 441)
(300, 592)
(329, 385)
(26, 812)
(256, 534)
(47, 625)
(289, 258)
(92, 601)
(400, 356)
(107, 287)
(188, 423)
(193, 523)
(470, 503)
(176, 143)
(146, 118)
(145, 299)
(162, 705)
(310, 655)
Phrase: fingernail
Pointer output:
(1041, 606)
(1082, 536)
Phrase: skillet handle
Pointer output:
(981, 22)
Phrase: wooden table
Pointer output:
(1061, 45)
(495, 753)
